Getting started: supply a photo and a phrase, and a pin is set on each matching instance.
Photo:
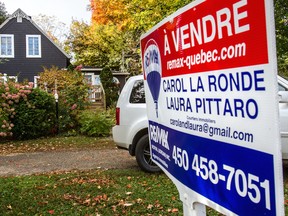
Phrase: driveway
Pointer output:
(40, 162)
(66, 160)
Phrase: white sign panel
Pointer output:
(210, 82)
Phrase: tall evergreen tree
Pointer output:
(3, 13)
(111, 88)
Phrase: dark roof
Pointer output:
(19, 14)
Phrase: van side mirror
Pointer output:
(283, 96)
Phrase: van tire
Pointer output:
(143, 156)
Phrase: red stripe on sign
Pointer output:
(213, 35)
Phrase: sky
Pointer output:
(64, 10)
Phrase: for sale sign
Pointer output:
(210, 82)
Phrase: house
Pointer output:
(25, 49)
(92, 74)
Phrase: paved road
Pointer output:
(39, 162)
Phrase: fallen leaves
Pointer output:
(100, 181)
(150, 206)
(113, 192)
(174, 210)
(127, 204)
(14, 148)
(51, 212)
(54, 143)
(86, 201)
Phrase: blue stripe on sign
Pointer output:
(236, 178)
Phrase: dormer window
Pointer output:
(6, 45)
(19, 19)
(33, 46)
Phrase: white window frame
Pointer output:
(15, 78)
(4, 78)
(95, 79)
(36, 78)
(12, 45)
(27, 46)
(96, 92)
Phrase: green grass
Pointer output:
(96, 192)
(55, 143)
(112, 192)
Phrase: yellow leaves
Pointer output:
(108, 11)
(122, 203)
(150, 206)
(139, 200)
(127, 204)
(65, 79)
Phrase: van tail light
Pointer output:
(117, 115)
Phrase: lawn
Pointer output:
(94, 192)
(97, 192)
(55, 143)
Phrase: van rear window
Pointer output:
(138, 92)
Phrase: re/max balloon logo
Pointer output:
(153, 70)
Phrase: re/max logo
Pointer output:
(159, 135)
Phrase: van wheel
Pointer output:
(143, 156)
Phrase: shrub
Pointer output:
(35, 116)
(72, 90)
(95, 123)
(10, 95)
(5, 125)
(25, 112)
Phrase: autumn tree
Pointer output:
(55, 29)
(143, 16)
(281, 22)
(107, 12)
(96, 45)
(113, 37)
(78, 42)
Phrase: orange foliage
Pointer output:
(109, 12)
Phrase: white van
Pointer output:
(131, 130)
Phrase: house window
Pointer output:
(92, 79)
(13, 78)
(4, 78)
(33, 46)
(7, 45)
